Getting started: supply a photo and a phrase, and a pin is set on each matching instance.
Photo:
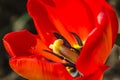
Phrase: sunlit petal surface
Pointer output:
(98, 44)
(33, 68)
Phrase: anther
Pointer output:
(59, 48)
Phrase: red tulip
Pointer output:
(82, 33)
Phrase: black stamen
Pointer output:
(68, 64)
(76, 50)
(49, 60)
(59, 56)
(66, 43)
(77, 38)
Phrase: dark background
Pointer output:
(14, 17)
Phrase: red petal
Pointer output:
(24, 43)
(99, 43)
(94, 7)
(18, 43)
(97, 75)
(64, 16)
(43, 24)
(34, 69)
(95, 51)
(113, 21)
(43, 21)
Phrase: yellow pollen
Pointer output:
(55, 46)
(68, 69)
(77, 46)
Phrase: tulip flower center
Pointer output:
(61, 48)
